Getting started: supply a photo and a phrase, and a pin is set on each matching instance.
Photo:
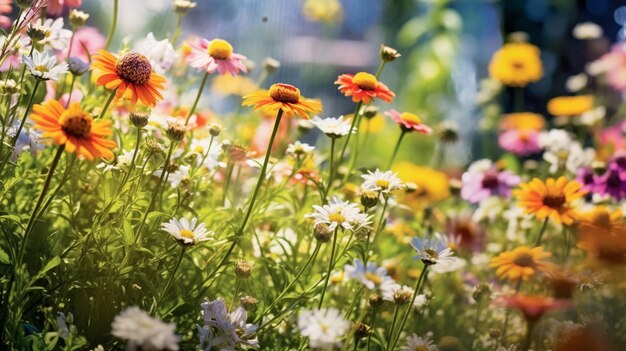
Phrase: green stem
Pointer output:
(132, 161)
(195, 103)
(379, 229)
(357, 111)
(519, 99)
(396, 148)
(332, 168)
(331, 265)
(107, 104)
(179, 20)
(380, 69)
(69, 49)
(69, 96)
(541, 232)
(418, 288)
(529, 333)
(171, 278)
(393, 325)
(113, 25)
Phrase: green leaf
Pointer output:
(4, 257)
(55, 261)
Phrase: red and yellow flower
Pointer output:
(364, 87)
(550, 199)
(283, 97)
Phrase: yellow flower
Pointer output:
(522, 121)
(570, 105)
(402, 231)
(233, 85)
(521, 263)
(552, 198)
(516, 64)
(322, 10)
(372, 125)
(432, 185)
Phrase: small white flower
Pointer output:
(389, 292)
(298, 148)
(55, 35)
(338, 214)
(480, 166)
(226, 331)
(144, 332)
(576, 82)
(414, 342)
(383, 182)
(181, 175)
(489, 209)
(431, 252)
(161, 53)
(324, 327)
(372, 276)
(555, 140)
(43, 66)
(333, 127)
(185, 231)
(587, 30)
(593, 116)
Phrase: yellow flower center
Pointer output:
(186, 233)
(374, 278)
(42, 68)
(220, 49)
(382, 183)
(432, 253)
(285, 93)
(75, 122)
(336, 217)
(365, 80)
(199, 149)
(134, 68)
(411, 118)
(421, 348)
(553, 200)
(524, 260)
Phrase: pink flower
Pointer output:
(613, 64)
(614, 136)
(6, 7)
(55, 7)
(216, 54)
(520, 142)
(86, 37)
(51, 91)
(408, 122)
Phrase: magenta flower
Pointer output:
(216, 55)
(612, 182)
(86, 38)
(588, 179)
(520, 142)
(55, 7)
(6, 7)
(480, 184)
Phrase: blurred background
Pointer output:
(445, 45)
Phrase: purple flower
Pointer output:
(479, 185)
(588, 179)
(612, 182)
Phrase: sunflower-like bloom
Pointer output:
(602, 234)
(131, 76)
(570, 105)
(534, 306)
(74, 128)
(283, 97)
(516, 64)
(552, 198)
(522, 121)
(363, 87)
(521, 263)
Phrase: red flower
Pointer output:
(363, 87)
(534, 306)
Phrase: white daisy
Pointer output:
(186, 232)
(226, 331)
(298, 149)
(431, 251)
(55, 35)
(414, 342)
(372, 276)
(161, 53)
(208, 153)
(144, 332)
(587, 30)
(390, 290)
(324, 327)
(333, 127)
(576, 82)
(383, 182)
(181, 175)
(337, 214)
(44, 66)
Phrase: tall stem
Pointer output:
(380, 69)
(331, 265)
(105, 108)
(395, 149)
(357, 111)
(418, 287)
(332, 168)
(132, 161)
(195, 103)
(171, 278)
(113, 25)
(69, 94)
(541, 232)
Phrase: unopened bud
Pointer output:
(78, 18)
(369, 198)
(176, 131)
(243, 269)
(388, 54)
(139, 119)
(215, 129)
(271, 65)
(375, 300)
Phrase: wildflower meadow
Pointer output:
(164, 188)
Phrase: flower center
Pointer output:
(285, 93)
(76, 122)
(42, 68)
(601, 217)
(613, 180)
(382, 183)
(524, 260)
(432, 253)
(490, 180)
(523, 136)
(186, 233)
(336, 217)
(374, 278)
(554, 200)
(517, 65)
(365, 81)
(135, 68)
(411, 118)
(220, 49)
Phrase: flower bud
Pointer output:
(243, 269)
(481, 291)
(176, 131)
(36, 33)
(322, 233)
(369, 111)
(77, 66)
(369, 198)
(362, 330)
(448, 132)
(78, 18)
(215, 129)
(388, 54)
(139, 119)
(495, 333)
(270, 65)
(237, 153)
(153, 145)
(9, 87)
(24, 4)
(248, 302)
(375, 300)
(182, 7)
(402, 296)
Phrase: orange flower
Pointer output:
(363, 87)
(534, 306)
(74, 128)
(551, 199)
(602, 233)
(521, 263)
(570, 105)
(522, 121)
(131, 76)
(284, 97)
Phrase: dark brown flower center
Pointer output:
(135, 68)
(76, 122)
(524, 260)
(285, 93)
(517, 65)
(554, 200)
